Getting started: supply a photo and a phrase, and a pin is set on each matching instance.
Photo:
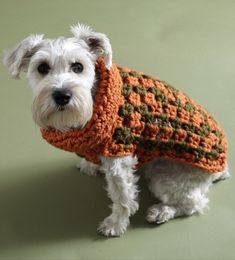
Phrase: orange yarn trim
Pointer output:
(137, 114)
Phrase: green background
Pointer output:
(48, 210)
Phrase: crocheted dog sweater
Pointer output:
(137, 114)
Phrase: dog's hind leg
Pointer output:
(191, 203)
(181, 189)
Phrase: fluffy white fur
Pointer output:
(181, 189)
(122, 190)
(88, 168)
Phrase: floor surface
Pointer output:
(50, 211)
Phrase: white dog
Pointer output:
(64, 79)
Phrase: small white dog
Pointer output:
(64, 79)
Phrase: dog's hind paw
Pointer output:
(160, 213)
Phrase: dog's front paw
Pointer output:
(88, 168)
(111, 227)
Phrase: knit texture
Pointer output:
(138, 114)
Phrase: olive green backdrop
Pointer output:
(48, 210)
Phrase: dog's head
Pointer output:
(62, 75)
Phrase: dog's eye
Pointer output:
(44, 68)
(77, 67)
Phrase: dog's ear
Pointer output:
(98, 43)
(18, 58)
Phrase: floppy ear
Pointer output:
(98, 43)
(18, 58)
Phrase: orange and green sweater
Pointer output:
(137, 114)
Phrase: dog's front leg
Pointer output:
(122, 189)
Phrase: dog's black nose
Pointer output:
(61, 97)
